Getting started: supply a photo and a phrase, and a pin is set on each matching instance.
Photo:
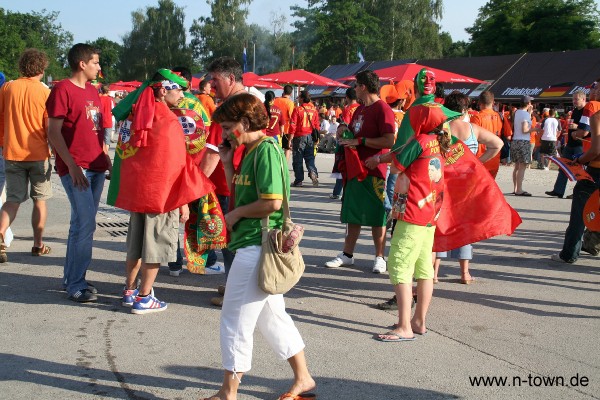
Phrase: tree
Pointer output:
(158, 40)
(517, 26)
(109, 57)
(452, 49)
(39, 30)
(224, 33)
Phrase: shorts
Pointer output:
(21, 174)
(520, 151)
(153, 237)
(363, 202)
(410, 253)
(462, 253)
(548, 147)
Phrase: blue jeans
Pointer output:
(339, 186)
(84, 206)
(561, 180)
(303, 148)
(574, 234)
(390, 184)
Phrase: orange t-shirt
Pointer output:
(286, 106)
(208, 103)
(490, 120)
(23, 120)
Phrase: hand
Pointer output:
(226, 154)
(349, 142)
(372, 162)
(80, 181)
(184, 213)
(231, 218)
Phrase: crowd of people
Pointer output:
(181, 158)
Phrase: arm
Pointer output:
(493, 144)
(209, 162)
(594, 152)
(384, 142)
(258, 209)
(60, 147)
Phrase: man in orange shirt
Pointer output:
(488, 119)
(205, 98)
(286, 105)
(23, 127)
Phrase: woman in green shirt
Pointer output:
(254, 196)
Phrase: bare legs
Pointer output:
(407, 327)
(353, 232)
(518, 177)
(38, 219)
(149, 272)
(303, 381)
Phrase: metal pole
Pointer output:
(254, 57)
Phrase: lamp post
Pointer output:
(254, 56)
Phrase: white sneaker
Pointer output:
(340, 260)
(379, 265)
(216, 268)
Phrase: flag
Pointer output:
(557, 90)
(100, 75)
(474, 208)
(360, 56)
(571, 169)
(591, 212)
(245, 59)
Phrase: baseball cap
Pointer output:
(526, 99)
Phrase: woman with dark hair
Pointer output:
(246, 306)
(472, 135)
(276, 123)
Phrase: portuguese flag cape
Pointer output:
(155, 175)
(474, 207)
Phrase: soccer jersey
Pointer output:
(423, 164)
(286, 106)
(349, 112)
(275, 122)
(269, 184)
(590, 109)
(79, 108)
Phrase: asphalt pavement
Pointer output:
(528, 328)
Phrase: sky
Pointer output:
(112, 18)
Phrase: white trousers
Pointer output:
(246, 306)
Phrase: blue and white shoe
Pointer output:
(129, 296)
(216, 268)
(147, 304)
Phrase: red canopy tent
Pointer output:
(409, 71)
(252, 79)
(129, 86)
(301, 77)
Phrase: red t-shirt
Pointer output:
(107, 105)
(423, 164)
(79, 108)
(373, 122)
(349, 112)
(276, 123)
(304, 118)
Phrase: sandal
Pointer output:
(527, 194)
(40, 251)
(301, 396)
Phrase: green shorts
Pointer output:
(32, 175)
(153, 237)
(363, 202)
(410, 253)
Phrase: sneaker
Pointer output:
(379, 265)
(175, 270)
(556, 257)
(129, 296)
(314, 178)
(390, 304)
(216, 268)
(334, 197)
(83, 296)
(297, 184)
(92, 288)
(340, 260)
(147, 304)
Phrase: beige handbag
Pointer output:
(280, 265)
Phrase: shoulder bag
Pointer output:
(281, 264)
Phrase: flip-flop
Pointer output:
(467, 281)
(420, 333)
(301, 396)
(526, 194)
(392, 333)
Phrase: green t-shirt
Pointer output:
(267, 181)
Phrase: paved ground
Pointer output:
(525, 318)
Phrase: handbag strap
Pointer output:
(285, 205)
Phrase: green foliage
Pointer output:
(224, 33)
(517, 26)
(109, 58)
(38, 30)
(158, 40)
